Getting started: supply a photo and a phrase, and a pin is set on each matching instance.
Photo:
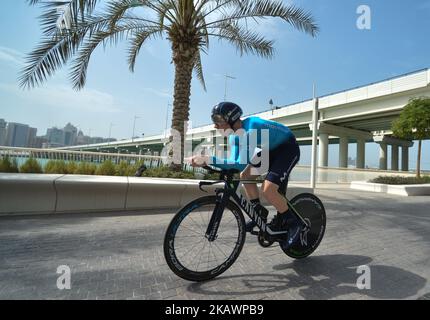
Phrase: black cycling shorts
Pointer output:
(282, 160)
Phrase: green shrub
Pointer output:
(56, 166)
(400, 180)
(50, 167)
(183, 175)
(86, 168)
(8, 166)
(71, 167)
(125, 169)
(31, 166)
(211, 176)
(107, 168)
(135, 167)
(166, 172)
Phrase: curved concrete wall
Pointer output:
(79, 192)
(162, 193)
(43, 193)
(401, 190)
(28, 192)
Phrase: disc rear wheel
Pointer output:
(312, 211)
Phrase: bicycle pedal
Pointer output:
(254, 233)
(263, 241)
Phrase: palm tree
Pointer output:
(187, 24)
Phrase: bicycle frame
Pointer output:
(231, 190)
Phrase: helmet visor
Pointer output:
(218, 119)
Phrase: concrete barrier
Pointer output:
(192, 191)
(43, 193)
(28, 193)
(148, 193)
(401, 190)
(90, 193)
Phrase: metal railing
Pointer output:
(77, 156)
(43, 155)
(300, 174)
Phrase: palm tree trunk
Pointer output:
(183, 60)
(419, 160)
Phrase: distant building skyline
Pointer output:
(3, 125)
(16, 134)
(19, 134)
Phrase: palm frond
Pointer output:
(78, 7)
(218, 5)
(137, 41)
(117, 9)
(245, 40)
(47, 58)
(295, 16)
(109, 36)
(55, 51)
(78, 72)
(169, 12)
(198, 69)
(185, 22)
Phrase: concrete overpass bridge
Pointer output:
(360, 115)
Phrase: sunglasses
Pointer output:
(218, 119)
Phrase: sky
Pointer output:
(115, 100)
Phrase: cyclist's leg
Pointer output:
(253, 194)
(271, 194)
(286, 157)
(250, 188)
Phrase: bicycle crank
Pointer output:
(263, 241)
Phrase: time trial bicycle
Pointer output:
(206, 236)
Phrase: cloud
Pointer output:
(11, 56)
(270, 28)
(161, 93)
(64, 97)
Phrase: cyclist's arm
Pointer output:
(232, 162)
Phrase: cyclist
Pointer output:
(283, 151)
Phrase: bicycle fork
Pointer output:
(221, 202)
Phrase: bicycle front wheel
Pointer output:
(189, 254)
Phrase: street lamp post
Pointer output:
(315, 117)
(225, 89)
(134, 125)
(167, 116)
(110, 130)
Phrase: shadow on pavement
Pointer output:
(319, 277)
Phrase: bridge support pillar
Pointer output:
(383, 141)
(405, 158)
(343, 152)
(323, 150)
(382, 156)
(394, 157)
(361, 147)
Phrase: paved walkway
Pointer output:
(119, 256)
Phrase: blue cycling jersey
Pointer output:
(255, 133)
